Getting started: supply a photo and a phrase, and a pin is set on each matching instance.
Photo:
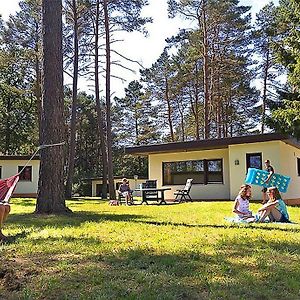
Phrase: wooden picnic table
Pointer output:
(153, 194)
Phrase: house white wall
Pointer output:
(198, 191)
(288, 166)
(24, 188)
(270, 150)
(283, 158)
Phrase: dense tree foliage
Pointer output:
(267, 68)
(204, 84)
(18, 126)
(285, 113)
(216, 66)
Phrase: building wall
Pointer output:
(289, 155)
(198, 191)
(24, 188)
(270, 150)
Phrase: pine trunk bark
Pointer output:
(205, 76)
(169, 110)
(72, 144)
(101, 126)
(38, 81)
(51, 180)
(264, 97)
(112, 192)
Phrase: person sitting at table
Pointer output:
(125, 191)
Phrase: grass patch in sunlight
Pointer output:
(184, 251)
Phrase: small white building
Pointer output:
(28, 183)
(219, 166)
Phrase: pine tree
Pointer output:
(75, 11)
(159, 83)
(217, 50)
(51, 180)
(268, 69)
(285, 114)
(117, 16)
(18, 128)
(134, 114)
(23, 31)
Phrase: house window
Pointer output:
(214, 171)
(254, 160)
(202, 171)
(26, 174)
(298, 166)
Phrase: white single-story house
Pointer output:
(134, 183)
(219, 166)
(28, 183)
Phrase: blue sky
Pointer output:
(135, 45)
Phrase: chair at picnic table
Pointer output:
(151, 184)
(184, 193)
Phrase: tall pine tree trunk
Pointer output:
(112, 192)
(72, 145)
(195, 106)
(169, 110)
(205, 74)
(37, 86)
(51, 181)
(180, 110)
(100, 117)
(264, 97)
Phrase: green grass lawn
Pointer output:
(184, 251)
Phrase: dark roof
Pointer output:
(210, 144)
(116, 177)
(18, 157)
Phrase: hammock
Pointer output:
(8, 185)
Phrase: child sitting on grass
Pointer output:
(241, 203)
(275, 209)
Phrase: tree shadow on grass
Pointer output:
(71, 202)
(14, 238)
(146, 274)
(76, 219)
(23, 201)
(223, 226)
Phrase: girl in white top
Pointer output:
(241, 203)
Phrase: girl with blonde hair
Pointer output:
(241, 203)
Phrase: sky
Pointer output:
(146, 50)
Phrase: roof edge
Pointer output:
(18, 157)
(208, 144)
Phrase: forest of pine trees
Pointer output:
(204, 84)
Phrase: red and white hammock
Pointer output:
(8, 185)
